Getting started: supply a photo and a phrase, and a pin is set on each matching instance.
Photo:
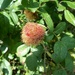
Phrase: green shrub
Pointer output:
(55, 54)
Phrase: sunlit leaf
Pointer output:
(48, 20)
(22, 50)
(43, 1)
(70, 4)
(14, 17)
(61, 7)
(69, 17)
(5, 65)
(4, 49)
(4, 3)
(7, 15)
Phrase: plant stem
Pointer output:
(44, 58)
(49, 54)
(45, 61)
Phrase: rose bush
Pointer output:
(37, 37)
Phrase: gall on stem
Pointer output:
(33, 33)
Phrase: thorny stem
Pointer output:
(46, 51)
(49, 54)
(44, 58)
(45, 61)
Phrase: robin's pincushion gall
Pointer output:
(33, 33)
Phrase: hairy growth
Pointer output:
(32, 33)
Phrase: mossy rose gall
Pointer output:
(33, 33)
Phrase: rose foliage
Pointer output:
(37, 37)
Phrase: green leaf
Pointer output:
(25, 3)
(60, 27)
(43, 1)
(37, 51)
(69, 42)
(60, 16)
(1, 72)
(15, 6)
(47, 19)
(22, 50)
(14, 17)
(11, 56)
(69, 63)
(49, 37)
(60, 49)
(4, 49)
(56, 2)
(4, 3)
(33, 5)
(60, 72)
(4, 25)
(31, 62)
(61, 7)
(70, 4)
(60, 52)
(41, 67)
(69, 17)
(5, 65)
(56, 58)
(8, 17)
(22, 60)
